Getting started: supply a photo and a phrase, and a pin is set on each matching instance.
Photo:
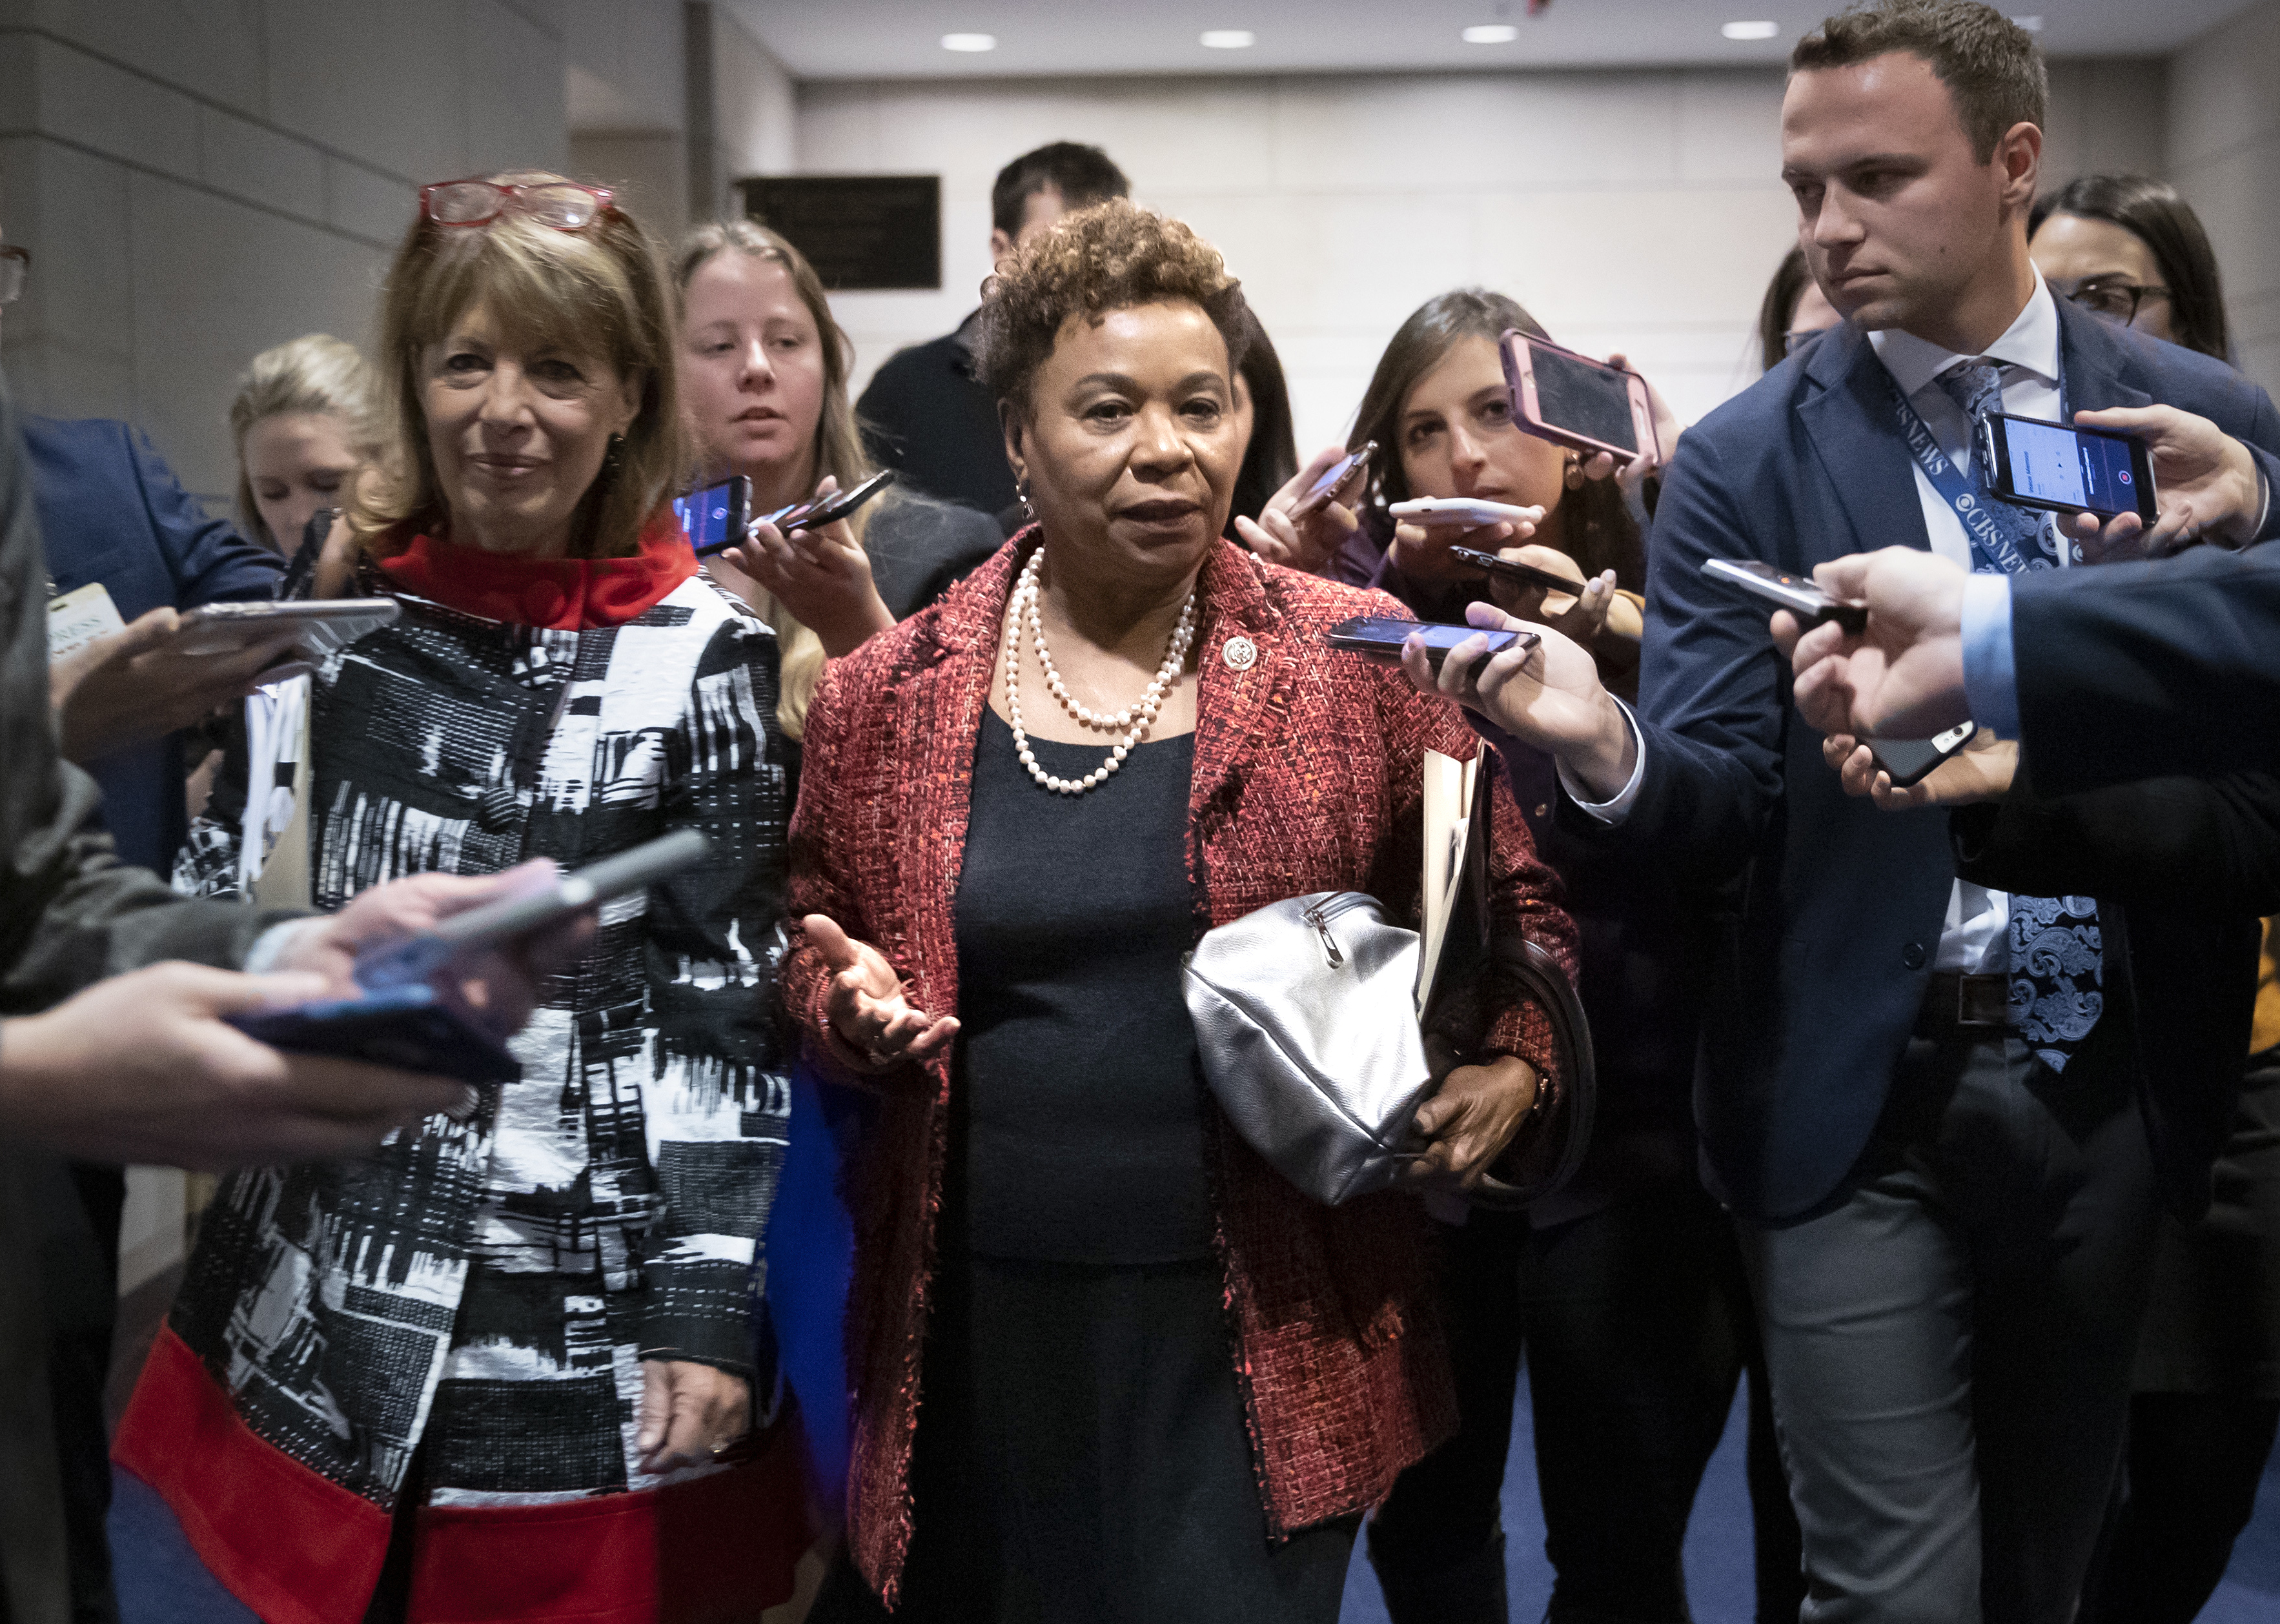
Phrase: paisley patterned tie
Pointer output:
(2028, 540)
(2057, 950)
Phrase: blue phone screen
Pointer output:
(703, 514)
(2085, 470)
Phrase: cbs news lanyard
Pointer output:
(1991, 549)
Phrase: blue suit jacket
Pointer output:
(111, 510)
(1821, 963)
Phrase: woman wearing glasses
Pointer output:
(489, 1373)
(2207, 1401)
(2132, 251)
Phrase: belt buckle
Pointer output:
(1982, 1001)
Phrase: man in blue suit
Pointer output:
(1922, 1095)
(113, 514)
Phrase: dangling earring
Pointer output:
(612, 460)
(1021, 490)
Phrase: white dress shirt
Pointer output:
(1974, 938)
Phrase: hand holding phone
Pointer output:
(1334, 479)
(1980, 769)
(399, 1017)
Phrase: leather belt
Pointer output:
(1975, 1006)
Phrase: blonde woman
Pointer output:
(764, 391)
(305, 424)
(483, 1375)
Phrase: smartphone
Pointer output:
(717, 516)
(1798, 594)
(831, 508)
(1515, 570)
(320, 625)
(409, 1027)
(400, 1018)
(420, 957)
(1472, 511)
(1574, 401)
(1324, 490)
(1911, 760)
(1382, 638)
(2064, 470)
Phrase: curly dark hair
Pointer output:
(1111, 256)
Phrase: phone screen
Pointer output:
(708, 514)
(2052, 464)
(1592, 400)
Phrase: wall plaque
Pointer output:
(858, 231)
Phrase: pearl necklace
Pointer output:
(1138, 718)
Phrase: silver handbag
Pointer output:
(1307, 1017)
(1305, 1024)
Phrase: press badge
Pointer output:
(78, 619)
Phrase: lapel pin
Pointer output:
(1240, 653)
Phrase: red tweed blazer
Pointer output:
(1307, 774)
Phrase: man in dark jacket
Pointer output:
(101, 1060)
(924, 414)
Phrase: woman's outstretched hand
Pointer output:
(821, 576)
(872, 1026)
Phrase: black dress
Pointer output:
(1082, 1454)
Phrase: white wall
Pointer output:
(626, 88)
(2224, 156)
(198, 180)
(1638, 211)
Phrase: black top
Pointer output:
(928, 418)
(919, 549)
(1078, 1127)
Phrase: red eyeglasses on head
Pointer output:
(564, 205)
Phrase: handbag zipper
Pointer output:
(1318, 916)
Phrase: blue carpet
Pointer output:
(160, 1579)
(1720, 1583)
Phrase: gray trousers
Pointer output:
(1949, 1346)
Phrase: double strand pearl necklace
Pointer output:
(1138, 718)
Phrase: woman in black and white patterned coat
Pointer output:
(480, 1374)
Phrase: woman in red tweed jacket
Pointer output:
(1106, 1363)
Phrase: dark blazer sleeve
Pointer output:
(69, 914)
(2143, 670)
(1713, 713)
(2204, 843)
(209, 561)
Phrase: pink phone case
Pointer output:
(1519, 377)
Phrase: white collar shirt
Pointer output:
(1975, 938)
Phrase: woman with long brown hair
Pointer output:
(1624, 1289)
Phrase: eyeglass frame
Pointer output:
(22, 256)
(2138, 292)
(507, 191)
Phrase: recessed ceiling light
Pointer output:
(969, 41)
(1229, 39)
(1489, 33)
(2032, 22)
(1751, 30)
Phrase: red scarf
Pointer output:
(560, 595)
